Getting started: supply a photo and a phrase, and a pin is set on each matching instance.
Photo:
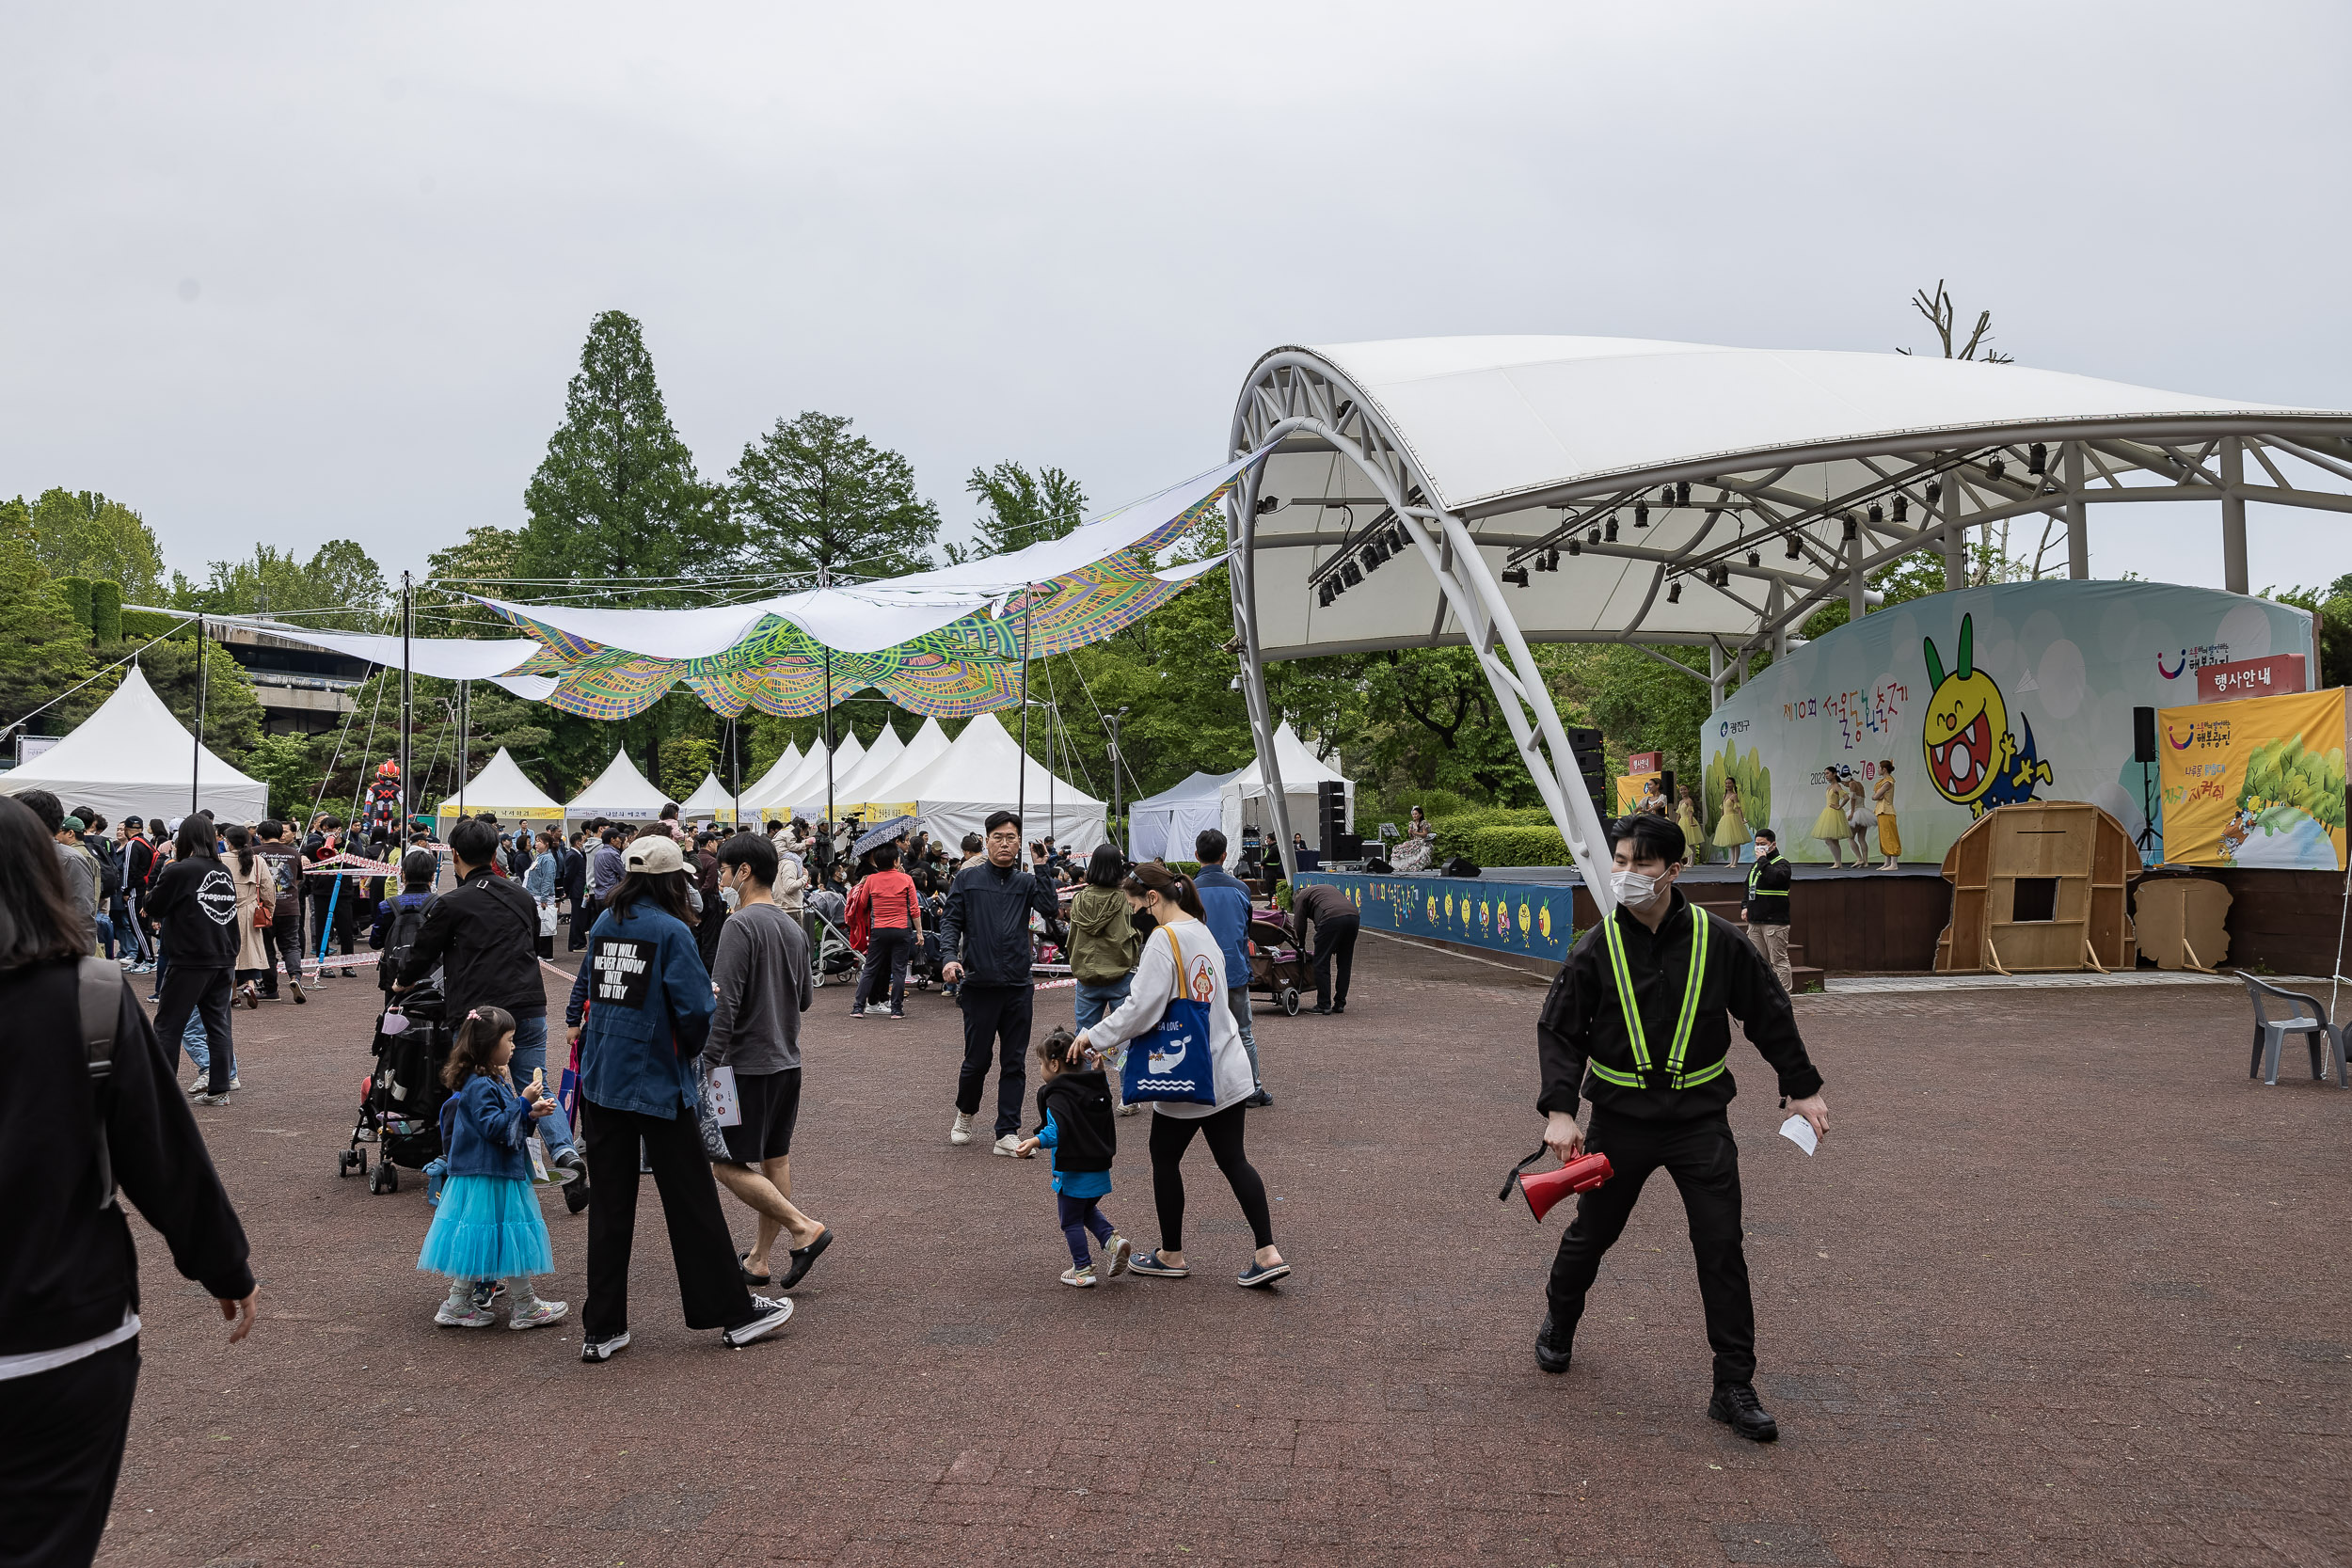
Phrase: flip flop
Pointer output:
(749, 1278)
(803, 1257)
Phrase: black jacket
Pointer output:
(1582, 1021)
(138, 865)
(572, 876)
(987, 925)
(71, 1270)
(1769, 878)
(195, 902)
(484, 935)
(1085, 1136)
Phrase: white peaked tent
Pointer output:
(1242, 798)
(620, 793)
(710, 800)
(804, 795)
(983, 771)
(1164, 826)
(884, 796)
(787, 762)
(848, 789)
(132, 757)
(501, 789)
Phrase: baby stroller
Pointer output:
(926, 962)
(1277, 969)
(400, 1108)
(833, 959)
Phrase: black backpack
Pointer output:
(399, 934)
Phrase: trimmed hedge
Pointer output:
(1527, 844)
(1453, 835)
(106, 611)
(144, 626)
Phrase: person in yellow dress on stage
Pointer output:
(1731, 832)
(1882, 799)
(1687, 819)
(1830, 827)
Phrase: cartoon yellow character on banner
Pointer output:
(1973, 759)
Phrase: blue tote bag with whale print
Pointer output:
(1171, 1060)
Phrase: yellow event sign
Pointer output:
(2258, 782)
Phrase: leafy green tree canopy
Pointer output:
(340, 581)
(43, 650)
(1019, 509)
(80, 534)
(809, 497)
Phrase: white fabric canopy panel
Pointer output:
(503, 788)
(710, 800)
(849, 787)
(886, 796)
(1164, 827)
(132, 758)
(1242, 797)
(621, 793)
(984, 771)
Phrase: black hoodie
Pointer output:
(1079, 1100)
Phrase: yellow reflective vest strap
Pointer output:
(1686, 1017)
(1754, 891)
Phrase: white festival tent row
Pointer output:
(886, 795)
(984, 771)
(501, 789)
(620, 793)
(1242, 797)
(711, 801)
(133, 759)
(1164, 826)
(849, 786)
(777, 800)
(786, 762)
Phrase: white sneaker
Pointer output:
(469, 1316)
(774, 1312)
(1116, 1254)
(212, 1099)
(1009, 1145)
(1083, 1278)
(961, 1133)
(537, 1315)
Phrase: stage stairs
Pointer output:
(1722, 898)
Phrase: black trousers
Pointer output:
(711, 1282)
(995, 1015)
(707, 929)
(887, 949)
(281, 939)
(1704, 1161)
(208, 993)
(1335, 946)
(1171, 1137)
(582, 917)
(60, 1452)
(331, 911)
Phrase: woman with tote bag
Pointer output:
(1182, 973)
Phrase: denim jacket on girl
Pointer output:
(484, 1127)
(648, 1005)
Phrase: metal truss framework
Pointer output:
(1921, 492)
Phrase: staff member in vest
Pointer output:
(1765, 907)
(1639, 1017)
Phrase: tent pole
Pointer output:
(195, 758)
(464, 690)
(829, 742)
(1021, 789)
(408, 715)
(735, 776)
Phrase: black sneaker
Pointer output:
(769, 1314)
(1552, 1348)
(1260, 1099)
(604, 1349)
(1736, 1406)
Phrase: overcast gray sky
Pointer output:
(288, 273)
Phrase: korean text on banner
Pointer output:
(2258, 782)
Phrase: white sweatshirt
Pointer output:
(1148, 995)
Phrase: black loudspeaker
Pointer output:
(1585, 745)
(2143, 735)
(1330, 814)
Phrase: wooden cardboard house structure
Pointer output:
(2041, 887)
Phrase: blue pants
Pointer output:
(1096, 1002)
(1078, 1216)
(531, 1051)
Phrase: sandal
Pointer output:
(1149, 1263)
(743, 1267)
(1259, 1275)
(803, 1257)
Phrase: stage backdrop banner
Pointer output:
(1981, 697)
(2258, 782)
(1507, 918)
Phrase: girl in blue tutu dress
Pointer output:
(488, 1225)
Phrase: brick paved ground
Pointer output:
(2062, 1287)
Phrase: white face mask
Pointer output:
(1632, 888)
(728, 896)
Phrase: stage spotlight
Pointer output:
(1536, 561)
(1847, 518)
(1902, 507)
(2038, 459)
(1754, 560)
(1935, 491)
(1266, 504)
(1993, 470)
(1552, 557)
(1610, 533)
(1574, 548)
(1877, 514)
(1396, 540)
(1674, 592)
(1682, 492)
(1515, 577)
(1793, 551)
(1322, 595)
(1641, 515)
(1351, 575)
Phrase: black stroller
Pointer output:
(401, 1106)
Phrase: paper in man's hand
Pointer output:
(1799, 1131)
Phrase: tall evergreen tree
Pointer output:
(42, 649)
(810, 494)
(1019, 509)
(616, 500)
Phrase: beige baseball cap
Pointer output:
(652, 855)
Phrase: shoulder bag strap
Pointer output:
(99, 982)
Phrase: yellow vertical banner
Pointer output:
(2258, 782)
(1631, 787)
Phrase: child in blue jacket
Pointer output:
(1074, 1105)
(487, 1224)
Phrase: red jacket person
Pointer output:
(1639, 1021)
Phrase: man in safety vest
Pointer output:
(1639, 1020)
(1765, 907)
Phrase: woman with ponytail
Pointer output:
(1182, 960)
(256, 895)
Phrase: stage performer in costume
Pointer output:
(1639, 1020)
(382, 808)
(1687, 819)
(1731, 829)
(1830, 827)
(1882, 802)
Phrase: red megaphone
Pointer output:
(1582, 1175)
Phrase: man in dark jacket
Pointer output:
(985, 939)
(573, 880)
(484, 934)
(138, 874)
(1320, 908)
(1765, 909)
(1226, 901)
(1639, 1021)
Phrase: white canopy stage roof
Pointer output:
(621, 793)
(1597, 489)
(132, 757)
(1163, 826)
(710, 800)
(1241, 795)
(884, 798)
(502, 788)
(985, 770)
(849, 786)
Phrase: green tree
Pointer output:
(810, 497)
(616, 504)
(82, 534)
(479, 563)
(1019, 509)
(340, 583)
(42, 649)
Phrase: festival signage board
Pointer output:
(1981, 697)
(1527, 918)
(2258, 782)
(2251, 677)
